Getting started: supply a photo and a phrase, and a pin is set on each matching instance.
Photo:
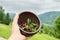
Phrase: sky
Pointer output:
(36, 6)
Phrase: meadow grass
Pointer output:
(42, 37)
(5, 32)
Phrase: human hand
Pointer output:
(16, 35)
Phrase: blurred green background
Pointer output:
(50, 29)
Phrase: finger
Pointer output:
(15, 21)
(15, 27)
(16, 18)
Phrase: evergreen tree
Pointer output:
(1, 14)
(7, 19)
(4, 18)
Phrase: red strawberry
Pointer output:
(23, 25)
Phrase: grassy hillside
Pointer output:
(49, 17)
(42, 37)
(5, 30)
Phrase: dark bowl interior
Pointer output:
(23, 17)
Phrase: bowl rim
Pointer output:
(39, 24)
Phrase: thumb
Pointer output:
(15, 27)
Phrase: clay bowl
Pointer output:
(23, 17)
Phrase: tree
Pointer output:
(4, 18)
(7, 19)
(1, 14)
(57, 23)
(45, 29)
(57, 27)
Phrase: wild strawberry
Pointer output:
(23, 25)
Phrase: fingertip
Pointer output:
(16, 17)
(17, 13)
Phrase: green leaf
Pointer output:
(27, 27)
(28, 21)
